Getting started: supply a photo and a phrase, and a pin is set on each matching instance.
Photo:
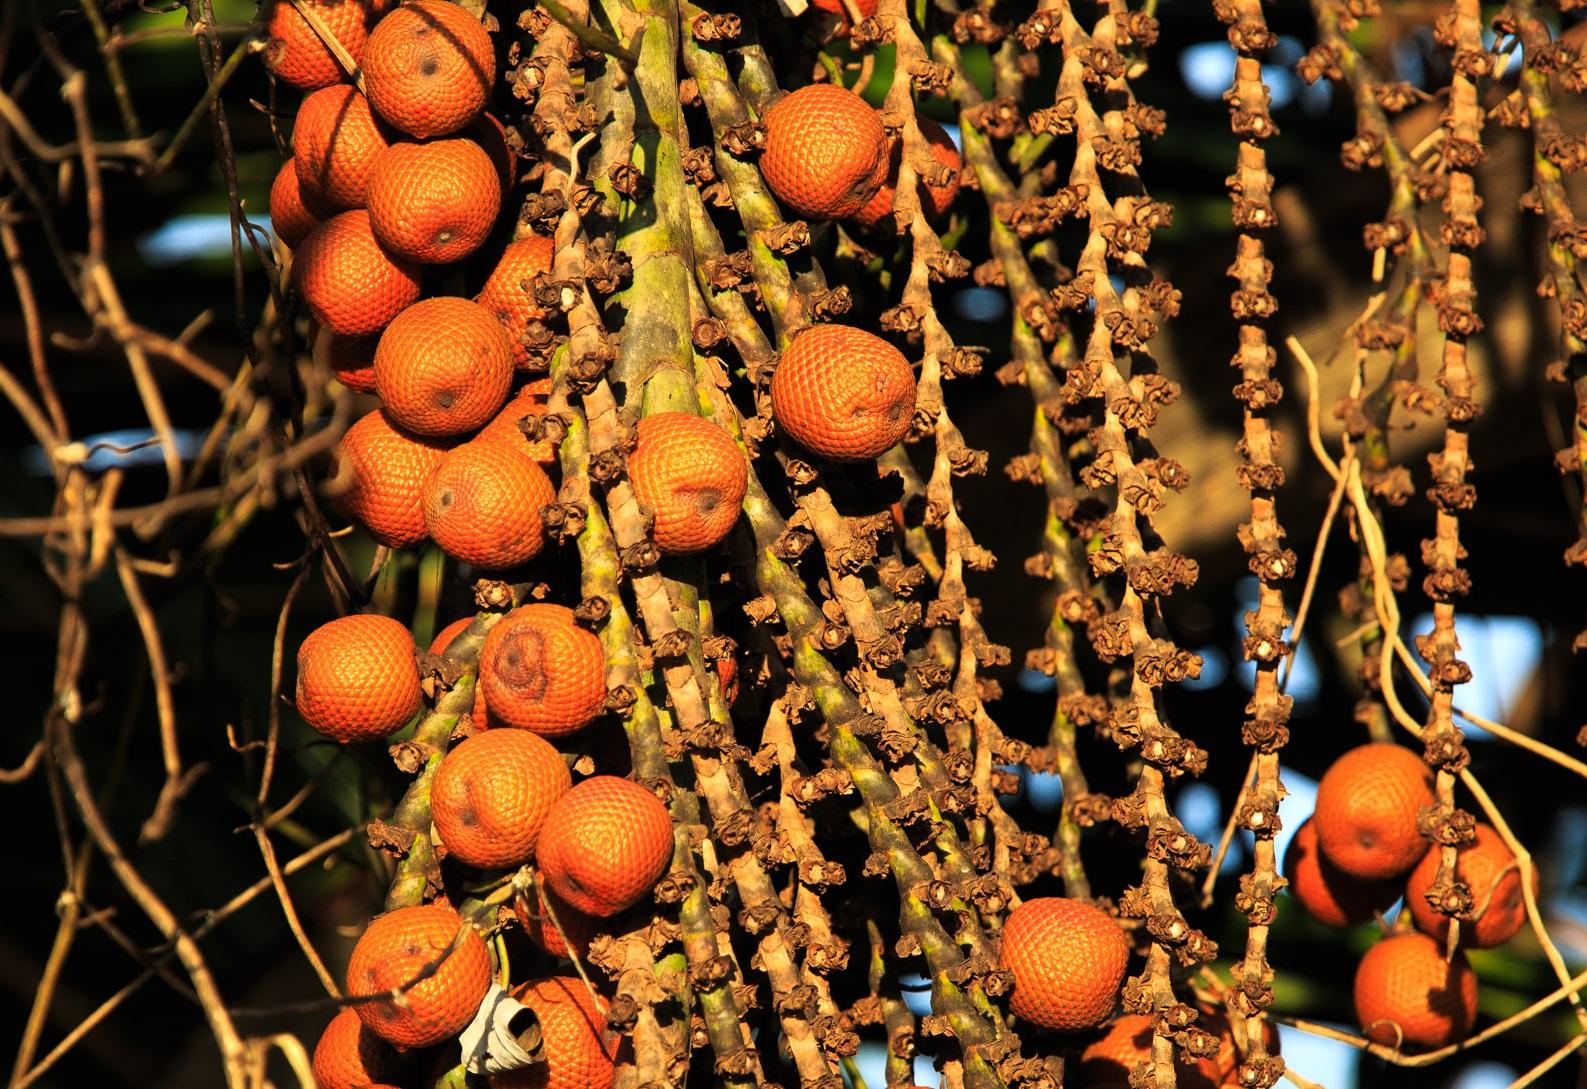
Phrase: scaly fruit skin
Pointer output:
(505, 296)
(291, 216)
(1366, 811)
(691, 474)
(579, 927)
(379, 479)
(357, 678)
(935, 202)
(605, 845)
(826, 153)
(483, 503)
(1126, 1042)
(443, 639)
(350, 283)
(1068, 959)
(429, 68)
(491, 795)
(351, 360)
(433, 202)
(530, 400)
(1329, 895)
(843, 393)
(1496, 900)
(335, 145)
(349, 1056)
(1404, 984)
(541, 672)
(295, 52)
(395, 950)
(443, 367)
(581, 1053)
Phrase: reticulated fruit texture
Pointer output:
(357, 678)
(1408, 996)
(443, 367)
(483, 503)
(351, 360)
(1107, 1061)
(1498, 908)
(505, 295)
(1329, 895)
(1366, 810)
(349, 1056)
(379, 479)
(581, 1052)
(429, 68)
(434, 202)
(934, 200)
(401, 946)
(1068, 959)
(826, 154)
(542, 931)
(691, 474)
(541, 672)
(605, 845)
(291, 217)
(439, 645)
(335, 144)
(530, 400)
(843, 393)
(491, 795)
(295, 52)
(351, 284)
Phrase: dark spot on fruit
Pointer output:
(445, 398)
(446, 500)
(520, 662)
(707, 500)
(411, 948)
(467, 817)
(443, 236)
(429, 66)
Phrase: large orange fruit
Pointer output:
(349, 1056)
(295, 52)
(398, 948)
(350, 283)
(933, 201)
(530, 400)
(292, 216)
(691, 474)
(539, 671)
(826, 153)
(1125, 1043)
(1499, 907)
(483, 502)
(581, 1052)
(605, 845)
(357, 678)
(842, 392)
(491, 795)
(1068, 960)
(443, 367)
(443, 639)
(434, 202)
(504, 293)
(429, 67)
(1366, 810)
(335, 145)
(379, 479)
(351, 360)
(579, 927)
(1407, 995)
(1329, 895)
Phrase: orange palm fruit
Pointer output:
(335, 145)
(504, 293)
(379, 479)
(826, 153)
(397, 949)
(350, 283)
(443, 367)
(357, 678)
(491, 795)
(541, 672)
(1489, 868)
(433, 202)
(483, 502)
(843, 393)
(429, 67)
(1068, 960)
(490, 134)
(443, 640)
(1125, 1043)
(1329, 895)
(1408, 996)
(349, 1056)
(1367, 803)
(530, 400)
(296, 53)
(579, 927)
(691, 474)
(351, 360)
(293, 217)
(605, 845)
(581, 1052)
(934, 201)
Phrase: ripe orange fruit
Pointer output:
(295, 52)
(1498, 905)
(1366, 810)
(351, 284)
(483, 502)
(443, 639)
(541, 672)
(443, 367)
(933, 201)
(1107, 1061)
(379, 479)
(491, 135)
(292, 216)
(504, 294)
(351, 360)
(1407, 995)
(434, 202)
(843, 393)
(826, 154)
(581, 1052)
(1068, 961)
(335, 144)
(605, 845)
(396, 949)
(429, 67)
(349, 1056)
(692, 475)
(530, 400)
(579, 927)
(1329, 895)
(357, 678)
(491, 795)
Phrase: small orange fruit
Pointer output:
(826, 154)
(1068, 960)
(1497, 904)
(530, 400)
(443, 367)
(581, 1052)
(483, 502)
(1366, 810)
(291, 216)
(399, 947)
(351, 360)
(691, 474)
(433, 202)
(349, 1056)
(335, 145)
(491, 795)
(429, 67)
(1125, 1043)
(505, 296)
(579, 927)
(296, 53)
(357, 678)
(843, 393)
(379, 479)
(934, 201)
(1329, 895)
(605, 845)
(443, 640)
(1408, 996)
(541, 672)
(351, 284)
